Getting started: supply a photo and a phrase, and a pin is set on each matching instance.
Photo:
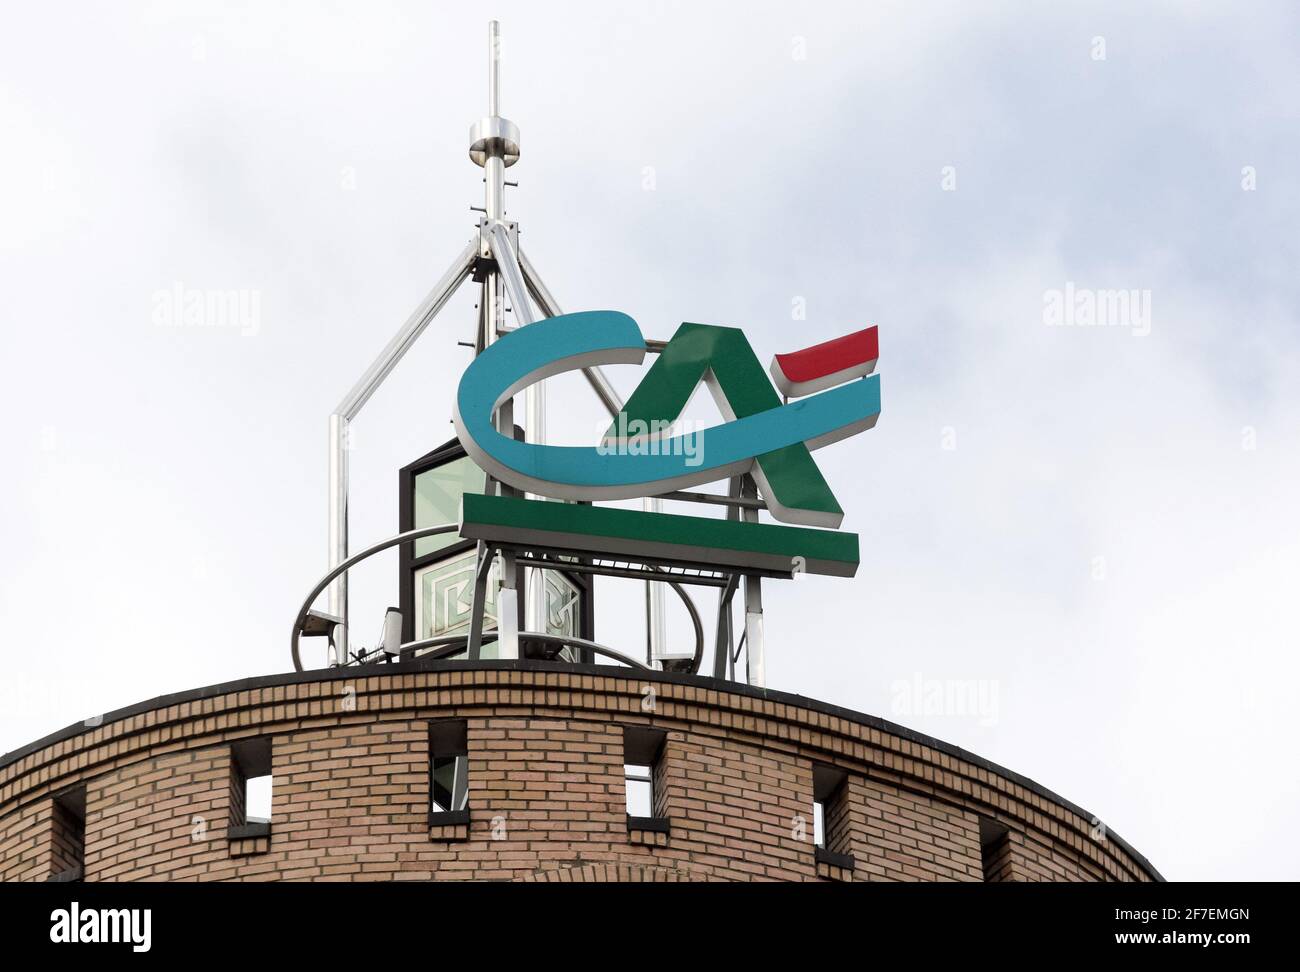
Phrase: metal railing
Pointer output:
(445, 645)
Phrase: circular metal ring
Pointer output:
(350, 562)
(451, 642)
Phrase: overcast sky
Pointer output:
(1091, 529)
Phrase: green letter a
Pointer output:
(791, 483)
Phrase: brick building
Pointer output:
(740, 784)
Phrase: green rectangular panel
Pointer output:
(632, 534)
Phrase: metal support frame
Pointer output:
(494, 145)
(482, 569)
(755, 646)
(308, 621)
(683, 496)
(512, 277)
(722, 641)
(341, 419)
(495, 259)
(300, 626)
(637, 568)
(742, 503)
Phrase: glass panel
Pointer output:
(444, 596)
(819, 824)
(450, 790)
(639, 791)
(257, 799)
(437, 500)
(563, 610)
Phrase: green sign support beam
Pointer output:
(700, 541)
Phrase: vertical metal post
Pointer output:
(494, 175)
(656, 635)
(507, 594)
(725, 644)
(755, 659)
(722, 643)
(535, 579)
(494, 67)
(482, 570)
(482, 565)
(494, 166)
(511, 279)
(338, 534)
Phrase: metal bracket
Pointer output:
(486, 262)
(482, 568)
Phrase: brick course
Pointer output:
(350, 763)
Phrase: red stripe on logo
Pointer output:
(840, 354)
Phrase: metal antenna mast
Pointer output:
(504, 274)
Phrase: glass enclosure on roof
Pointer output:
(437, 593)
(437, 499)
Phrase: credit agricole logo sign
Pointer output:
(831, 393)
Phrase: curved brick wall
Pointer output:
(349, 753)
